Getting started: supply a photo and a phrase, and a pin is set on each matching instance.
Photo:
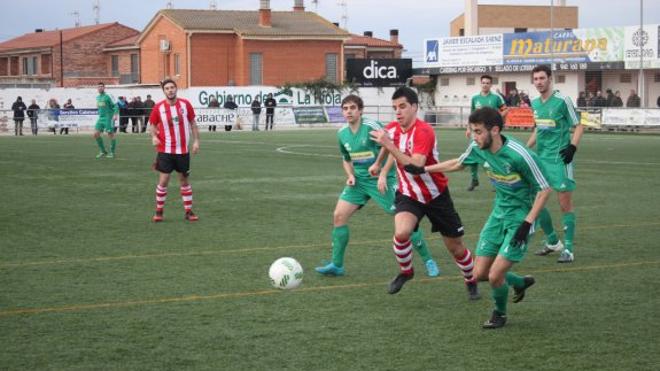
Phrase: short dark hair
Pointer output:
(407, 93)
(167, 81)
(352, 98)
(489, 77)
(101, 83)
(488, 116)
(542, 68)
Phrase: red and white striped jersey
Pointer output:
(419, 138)
(173, 125)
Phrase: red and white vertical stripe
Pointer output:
(187, 197)
(404, 255)
(161, 195)
(466, 265)
(173, 123)
(421, 188)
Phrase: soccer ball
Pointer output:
(285, 273)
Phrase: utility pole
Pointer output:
(76, 17)
(344, 13)
(97, 11)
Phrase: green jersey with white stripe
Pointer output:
(107, 108)
(554, 119)
(358, 148)
(515, 172)
(492, 100)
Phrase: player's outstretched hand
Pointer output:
(413, 169)
(520, 238)
(567, 153)
(195, 147)
(382, 184)
(155, 141)
(374, 169)
(379, 136)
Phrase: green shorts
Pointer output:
(366, 188)
(496, 235)
(559, 175)
(104, 125)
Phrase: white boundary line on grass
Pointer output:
(235, 295)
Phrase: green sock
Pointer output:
(99, 142)
(113, 145)
(514, 280)
(420, 246)
(546, 224)
(339, 243)
(500, 295)
(569, 229)
(474, 172)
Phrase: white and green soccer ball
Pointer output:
(285, 273)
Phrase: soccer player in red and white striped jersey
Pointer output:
(412, 141)
(172, 123)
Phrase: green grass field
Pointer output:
(88, 282)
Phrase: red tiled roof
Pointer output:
(50, 38)
(358, 40)
(129, 41)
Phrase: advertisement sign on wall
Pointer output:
(563, 46)
(309, 115)
(379, 72)
(464, 51)
(642, 44)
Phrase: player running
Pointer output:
(361, 160)
(106, 122)
(412, 141)
(521, 190)
(172, 120)
(555, 115)
(485, 98)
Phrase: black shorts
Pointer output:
(167, 162)
(440, 211)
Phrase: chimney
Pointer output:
(264, 13)
(39, 30)
(299, 5)
(336, 24)
(394, 36)
(368, 34)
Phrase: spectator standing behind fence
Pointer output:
(53, 115)
(610, 97)
(256, 112)
(582, 100)
(123, 114)
(148, 106)
(19, 109)
(33, 114)
(513, 100)
(230, 104)
(617, 101)
(135, 112)
(64, 129)
(633, 100)
(600, 100)
(213, 103)
(270, 105)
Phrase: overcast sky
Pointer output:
(415, 19)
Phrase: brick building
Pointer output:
(123, 60)
(489, 19)
(367, 46)
(224, 47)
(67, 57)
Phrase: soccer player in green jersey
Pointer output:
(485, 98)
(107, 117)
(555, 116)
(521, 191)
(366, 180)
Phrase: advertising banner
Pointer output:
(379, 72)
(309, 115)
(564, 46)
(631, 117)
(642, 44)
(334, 114)
(464, 51)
